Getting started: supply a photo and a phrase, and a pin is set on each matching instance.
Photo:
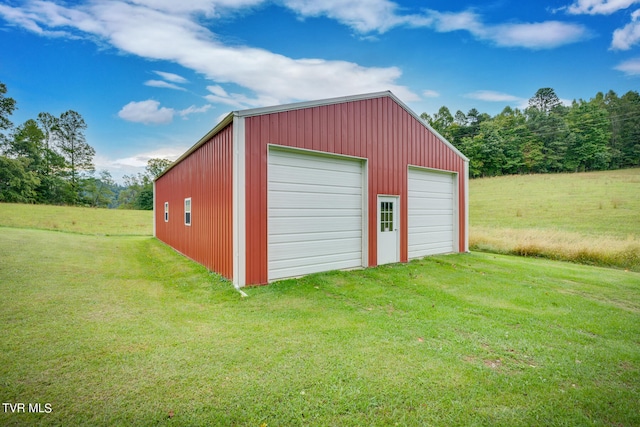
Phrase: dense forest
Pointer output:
(602, 133)
(48, 160)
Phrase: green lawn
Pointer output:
(586, 217)
(121, 330)
(77, 219)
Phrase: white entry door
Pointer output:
(388, 229)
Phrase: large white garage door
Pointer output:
(432, 210)
(315, 213)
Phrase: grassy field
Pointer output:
(588, 217)
(77, 219)
(116, 329)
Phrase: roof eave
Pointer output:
(228, 119)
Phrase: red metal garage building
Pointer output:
(289, 190)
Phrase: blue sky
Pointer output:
(150, 77)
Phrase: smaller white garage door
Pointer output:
(315, 213)
(432, 208)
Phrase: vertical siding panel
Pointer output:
(284, 132)
(394, 128)
(196, 176)
(298, 126)
(341, 127)
(251, 201)
(404, 206)
(326, 129)
(274, 136)
(307, 141)
(381, 145)
(255, 205)
(356, 129)
(370, 129)
(302, 127)
(261, 148)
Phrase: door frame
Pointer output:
(274, 149)
(396, 225)
(455, 183)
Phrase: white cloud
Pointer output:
(630, 67)
(147, 112)
(599, 7)
(624, 38)
(363, 16)
(218, 90)
(430, 93)
(492, 96)
(171, 77)
(150, 112)
(194, 110)
(179, 38)
(170, 31)
(207, 7)
(538, 35)
(136, 163)
(366, 16)
(445, 22)
(163, 84)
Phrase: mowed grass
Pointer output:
(77, 219)
(590, 217)
(122, 330)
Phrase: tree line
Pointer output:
(547, 136)
(48, 160)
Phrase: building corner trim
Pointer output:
(239, 202)
(466, 206)
(154, 209)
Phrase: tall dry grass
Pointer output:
(559, 245)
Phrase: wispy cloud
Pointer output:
(171, 31)
(148, 30)
(535, 35)
(363, 16)
(163, 84)
(624, 38)
(194, 110)
(366, 16)
(136, 163)
(493, 96)
(598, 7)
(430, 93)
(171, 77)
(210, 8)
(630, 67)
(150, 112)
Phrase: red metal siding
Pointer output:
(205, 176)
(377, 129)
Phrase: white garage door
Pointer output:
(315, 213)
(431, 204)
